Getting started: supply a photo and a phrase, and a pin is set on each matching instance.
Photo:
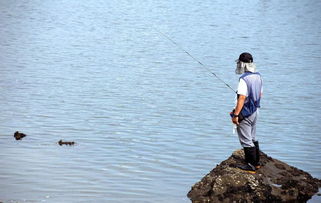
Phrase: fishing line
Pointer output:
(175, 43)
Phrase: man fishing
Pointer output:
(248, 101)
(245, 114)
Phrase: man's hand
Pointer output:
(238, 108)
(235, 120)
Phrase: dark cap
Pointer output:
(246, 57)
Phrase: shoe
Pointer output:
(257, 163)
(250, 159)
(248, 168)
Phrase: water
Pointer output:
(149, 122)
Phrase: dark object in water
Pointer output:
(65, 143)
(19, 135)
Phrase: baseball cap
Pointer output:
(246, 57)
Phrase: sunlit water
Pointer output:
(148, 121)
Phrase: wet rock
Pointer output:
(275, 181)
(65, 143)
(19, 135)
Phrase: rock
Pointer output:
(275, 181)
(19, 135)
(65, 143)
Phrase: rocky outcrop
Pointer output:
(275, 181)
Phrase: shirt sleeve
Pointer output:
(262, 87)
(242, 88)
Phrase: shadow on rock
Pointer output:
(275, 181)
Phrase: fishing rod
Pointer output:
(175, 43)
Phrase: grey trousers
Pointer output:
(246, 130)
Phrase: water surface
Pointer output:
(149, 122)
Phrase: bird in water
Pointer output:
(19, 135)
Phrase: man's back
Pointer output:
(252, 89)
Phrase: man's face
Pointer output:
(239, 67)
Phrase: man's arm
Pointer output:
(238, 108)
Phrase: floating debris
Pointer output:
(19, 135)
(65, 143)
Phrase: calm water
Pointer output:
(149, 122)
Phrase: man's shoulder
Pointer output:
(248, 74)
(245, 74)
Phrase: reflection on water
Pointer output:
(147, 120)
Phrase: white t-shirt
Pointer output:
(242, 88)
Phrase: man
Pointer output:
(244, 115)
